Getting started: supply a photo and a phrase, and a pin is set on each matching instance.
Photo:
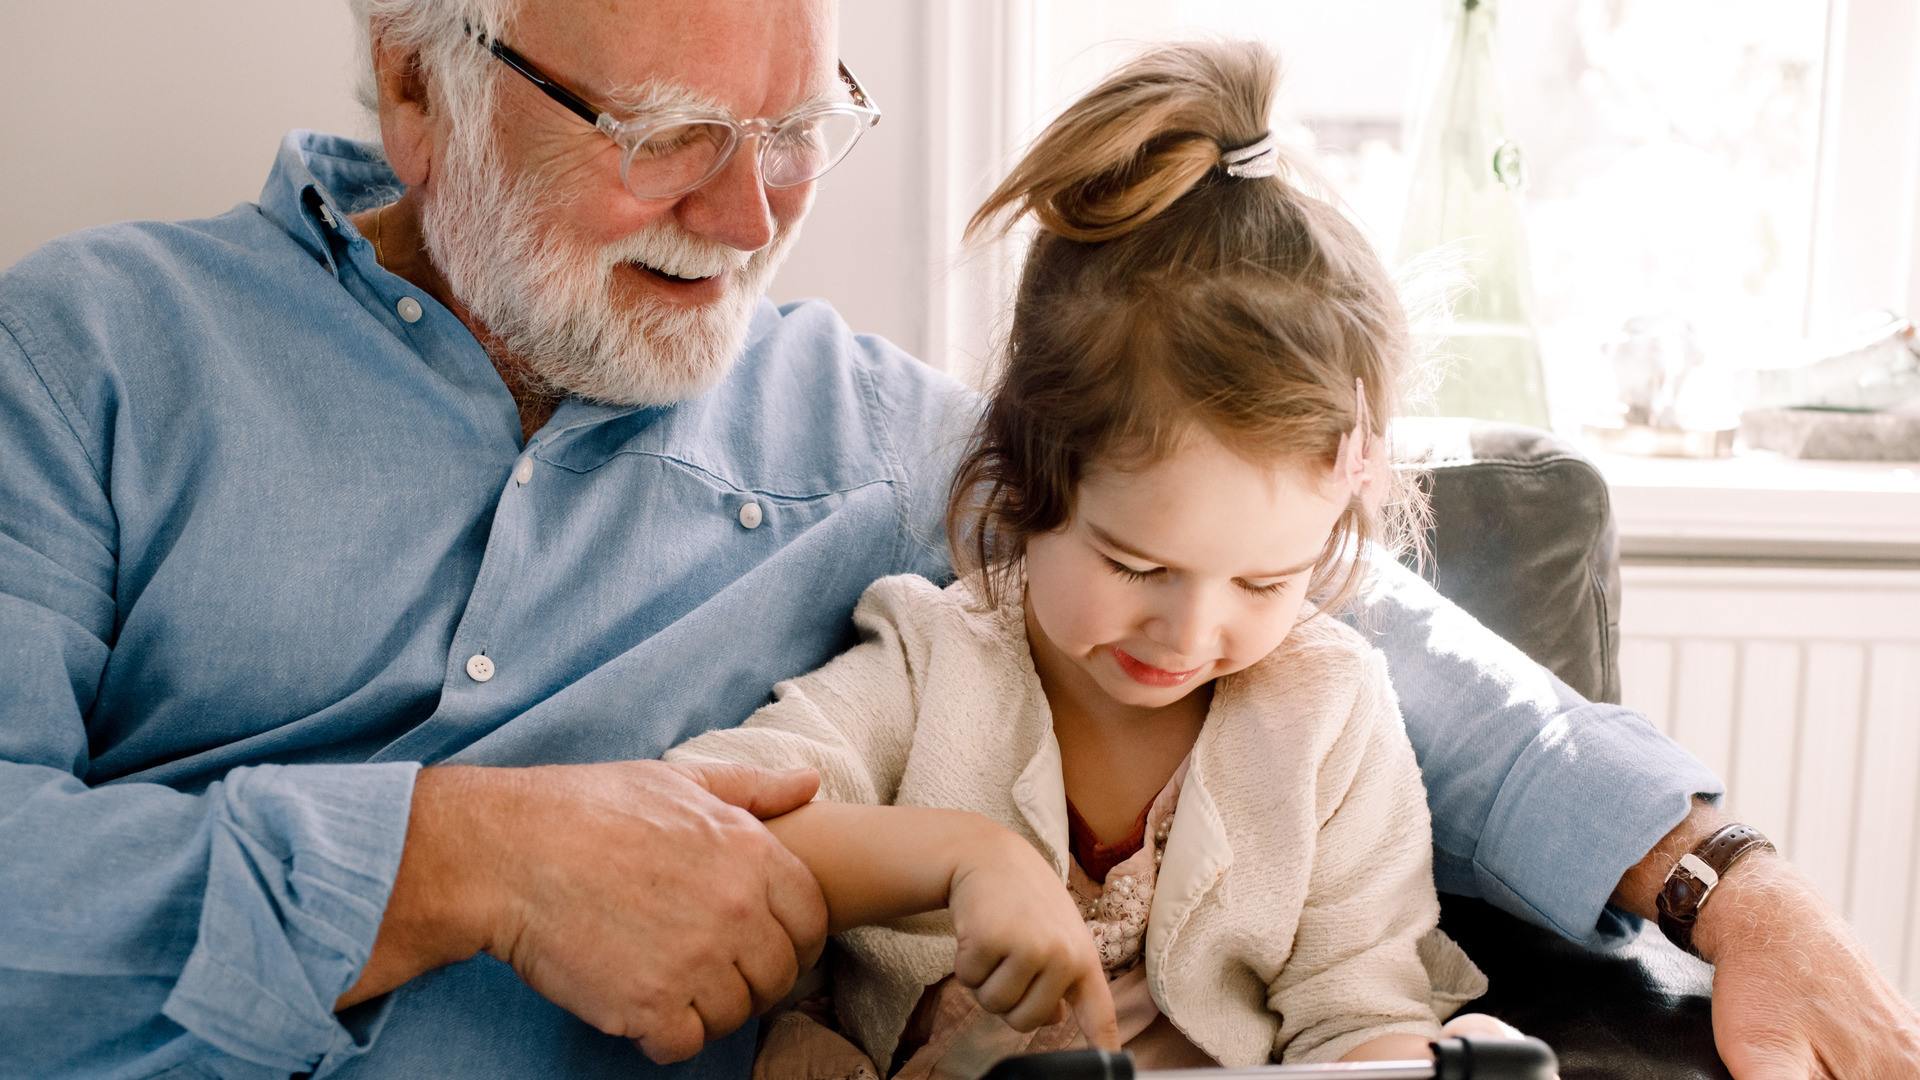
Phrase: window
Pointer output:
(1749, 165)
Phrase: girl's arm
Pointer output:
(1022, 947)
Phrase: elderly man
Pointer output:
(484, 453)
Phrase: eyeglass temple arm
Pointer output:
(578, 106)
(567, 98)
(859, 92)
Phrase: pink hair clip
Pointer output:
(1359, 464)
(1350, 461)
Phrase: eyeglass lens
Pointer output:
(667, 161)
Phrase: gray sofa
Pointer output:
(1523, 539)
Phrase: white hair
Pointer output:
(440, 33)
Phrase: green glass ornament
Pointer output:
(1465, 197)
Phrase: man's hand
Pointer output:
(644, 898)
(1794, 994)
(1023, 949)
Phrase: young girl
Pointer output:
(1125, 751)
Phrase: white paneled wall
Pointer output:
(1800, 687)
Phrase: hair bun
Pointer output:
(1139, 141)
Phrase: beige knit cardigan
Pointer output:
(1294, 916)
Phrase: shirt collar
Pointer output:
(319, 179)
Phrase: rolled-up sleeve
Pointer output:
(193, 925)
(1541, 800)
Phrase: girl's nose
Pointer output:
(1187, 624)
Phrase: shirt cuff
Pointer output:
(1604, 766)
(302, 861)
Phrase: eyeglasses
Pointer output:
(673, 150)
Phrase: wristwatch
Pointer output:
(1693, 878)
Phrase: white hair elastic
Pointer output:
(1256, 159)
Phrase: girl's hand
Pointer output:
(1414, 1047)
(1479, 1025)
(1024, 951)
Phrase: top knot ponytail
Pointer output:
(1139, 141)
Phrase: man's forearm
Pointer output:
(1520, 771)
(1640, 886)
(1761, 888)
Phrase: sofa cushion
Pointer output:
(1523, 539)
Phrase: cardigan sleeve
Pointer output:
(1355, 971)
(851, 721)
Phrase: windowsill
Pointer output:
(1764, 508)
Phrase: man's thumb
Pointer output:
(764, 793)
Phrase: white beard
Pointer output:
(550, 305)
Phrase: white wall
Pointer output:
(113, 110)
(119, 109)
(865, 245)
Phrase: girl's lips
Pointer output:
(1147, 674)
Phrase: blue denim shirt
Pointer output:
(254, 524)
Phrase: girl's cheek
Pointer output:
(1078, 612)
(1098, 613)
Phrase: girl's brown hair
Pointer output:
(1161, 293)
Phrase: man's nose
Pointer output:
(732, 207)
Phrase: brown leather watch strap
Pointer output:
(1694, 877)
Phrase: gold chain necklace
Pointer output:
(378, 256)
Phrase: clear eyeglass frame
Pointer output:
(672, 151)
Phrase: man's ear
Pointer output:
(408, 126)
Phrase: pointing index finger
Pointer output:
(1092, 1004)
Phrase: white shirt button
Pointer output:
(750, 515)
(409, 309)
(523, 472)
(479, 668)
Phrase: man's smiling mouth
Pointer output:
(668, 276)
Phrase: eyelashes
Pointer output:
(1128, 573)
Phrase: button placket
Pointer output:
(470, 705)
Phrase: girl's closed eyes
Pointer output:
(1132, 574)
(1270, 588)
